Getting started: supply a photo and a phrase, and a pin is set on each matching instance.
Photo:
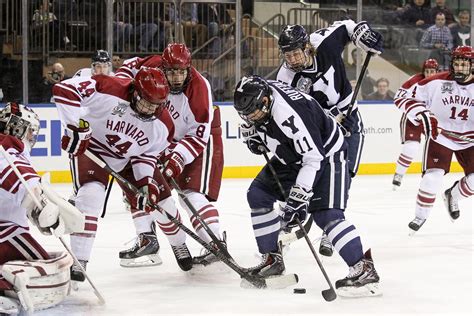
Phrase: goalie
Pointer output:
(30, 277)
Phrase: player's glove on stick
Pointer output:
(296, 205)
(348, 123)
(367, 39)
(46, 218)
(429, 123)
(76, 139)
(173, 166)
(253, 140)
(150, 192)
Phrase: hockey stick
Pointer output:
(40, 206)
(455, 135)
(329, 294)
(107, 194)
(255, 281)
(188, 203)
(359, 83)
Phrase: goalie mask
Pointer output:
(461, 63)
(21, 122)
(253, 100)
(293, 43)
(151, 93)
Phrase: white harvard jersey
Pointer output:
(191, 110)
(452, 104)
(119, 135)
(192, 115)
(13, 220)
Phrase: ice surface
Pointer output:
(430, 273)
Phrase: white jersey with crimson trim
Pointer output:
(192, 114)
(13, 220)
(405, 94)
(191, 110)
(119, 135)
(452, 104)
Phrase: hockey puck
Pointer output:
(299, 291)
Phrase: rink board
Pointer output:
(381, 149)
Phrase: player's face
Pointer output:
(101, 68)
(295, 59)
(429, 72)
(462, 66)
(259, 115)
(176, 77)
(147, 108)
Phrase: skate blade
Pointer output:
(143, 261)
(411, 232)
(368, 290)
(74, 286)
(274, 282)
(395, 187)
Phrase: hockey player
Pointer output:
(117, 120)
(101, 65)
(444, 101)
(310, 160)
(313, 65)
(195, 158)
(410, 134)
(29, 275)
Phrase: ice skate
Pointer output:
(415, 225)
(207, 257)
(143, 254)
(451, 204)
(397, 181)
(325, 247)
(76, 272)
(362, 280)
(183, 257)
(272, 265)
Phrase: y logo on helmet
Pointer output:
(242, 83)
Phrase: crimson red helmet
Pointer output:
(176, 61)
(430, 64)
(151, 92)
(176, 56)
(462, 73)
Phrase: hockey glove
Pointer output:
(429, 123)
(253, 140)
(150, 193)
(173, 166)
(348, 123)
(76, 139)
(367, 39)
(296, 205)
(47, 218)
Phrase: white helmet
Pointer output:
(21, 122)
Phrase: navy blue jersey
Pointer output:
(325, 80)
(299, 131)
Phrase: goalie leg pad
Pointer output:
(39, 284)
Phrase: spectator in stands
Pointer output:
(383, 92)
(461, 31)
(55, 75)
(441, 7)
(123, 30)
(217, 19)
(416, 14)
(117, 62)
(438, 38)
(351, 71)
(147, 17)
(194, 33)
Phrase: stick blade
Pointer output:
(329, 295)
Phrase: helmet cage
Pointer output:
(21, 122)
